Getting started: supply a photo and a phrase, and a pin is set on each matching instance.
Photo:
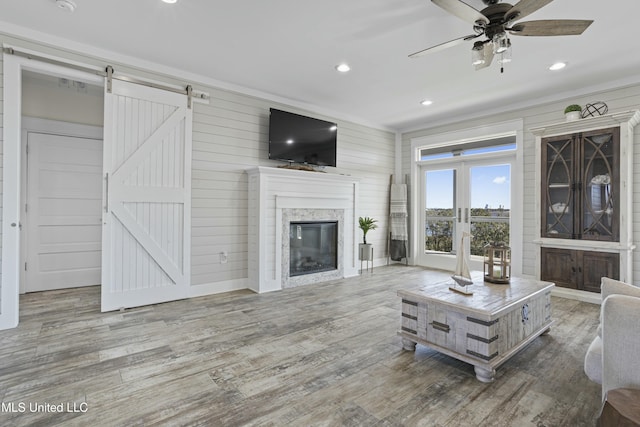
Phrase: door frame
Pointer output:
(49, 127)
(461, 136)
(12, 203)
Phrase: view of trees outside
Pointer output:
(489, 187)
(487, 226)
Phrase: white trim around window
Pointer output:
(465, 136)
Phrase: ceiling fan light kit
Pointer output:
(477, 54)
(501, 43)
(494, 21)
(505, 57)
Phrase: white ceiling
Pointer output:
(287, 49)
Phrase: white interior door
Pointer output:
(147, 206)
(63, 212)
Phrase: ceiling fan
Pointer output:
(495, 20)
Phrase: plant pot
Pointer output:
(572, 116)
(365, 252)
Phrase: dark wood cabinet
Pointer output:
(584, 200)
(576, 269)
(580, 201)
(581, 186)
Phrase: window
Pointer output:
(490, 145)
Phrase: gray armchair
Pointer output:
(613, 358)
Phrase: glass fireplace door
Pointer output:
(313, 247)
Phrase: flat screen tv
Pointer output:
(299, 139)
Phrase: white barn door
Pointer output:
(147, 207)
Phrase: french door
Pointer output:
(463, 195)
(147, 197)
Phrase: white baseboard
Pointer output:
(217, 287)
(575, 294)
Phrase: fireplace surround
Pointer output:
(291, 253)
(279, 197)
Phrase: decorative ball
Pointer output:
(595, 109)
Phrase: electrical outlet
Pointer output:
(223, 257)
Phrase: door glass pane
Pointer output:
(558, 218)
(598, 207)
(490, 188)
(440, 210)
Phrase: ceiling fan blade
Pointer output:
(461, 10)
(524, 8)
(550, 27)
(443, 46)
(488, 56)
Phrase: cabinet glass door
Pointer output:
(557, 187)
(599, 201)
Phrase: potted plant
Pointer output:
(573, 112)
(366, 224)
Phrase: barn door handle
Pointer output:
(106, 193)
(466, 215)
(459, 215)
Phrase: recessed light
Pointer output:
(558, 66)
(170, 1)
(67, 5)
(426, 102)
(343, 68)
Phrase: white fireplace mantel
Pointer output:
(273, 191)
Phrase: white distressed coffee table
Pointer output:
(484, 329)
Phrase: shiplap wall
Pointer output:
(230, 135)
(622, 99)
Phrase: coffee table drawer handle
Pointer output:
(440, 326)
(525, 313)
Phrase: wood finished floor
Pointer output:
(324, 354)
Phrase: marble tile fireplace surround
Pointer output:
(279, 197)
